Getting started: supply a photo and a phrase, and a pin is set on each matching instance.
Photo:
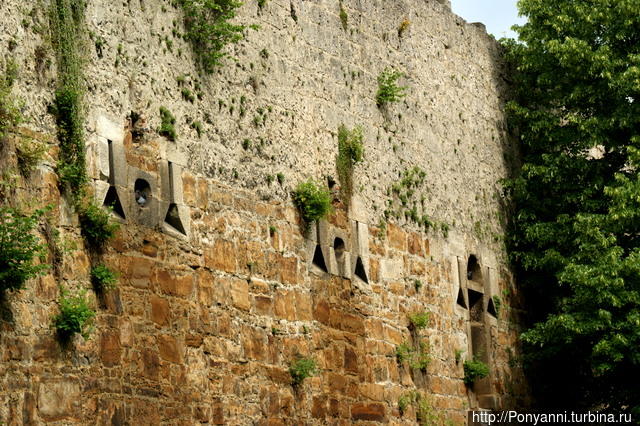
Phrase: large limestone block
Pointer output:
(55, 399)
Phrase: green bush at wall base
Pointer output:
(19, 248)
(76, 316)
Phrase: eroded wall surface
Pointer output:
(220, 288)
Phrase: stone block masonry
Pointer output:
(219, 288)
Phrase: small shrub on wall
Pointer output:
(474, 370)
(350, 152)
(301, 369)
(103, 278)
(97, 226)
(19, 248)
(388, 89)
(313, 200)
(76, 316)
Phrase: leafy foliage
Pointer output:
(71, 165)
(66, 22)
(167, 125)
(208, 29)
(404, 401)
(403, 352)
(103, 278)
(350, 152)
(417, 358)
(97, 226)
(425, 413)
(301, 369)
(19, 247)
(576, 238)
(29, 152)
(419, 320)
(10, 115)
(474, 370)
(313, 200)
(388, 89)
(344, 18)
(76, 316)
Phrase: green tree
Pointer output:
(576, 236)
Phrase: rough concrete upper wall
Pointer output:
(308, 75)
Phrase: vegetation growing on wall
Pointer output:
(408, 201)
(350, 152)
(344, 18)
(209, 30)
(97, 226)
(10, 115)
(19, 248)
(403, 27)
(419, 320)
(474, 370)
(301, 369)
(66, 23)
(425, 413)
(313, 200)
(388, 89)
(103, 278)
(167, 124)
(76, 315)
(417, 356)
(576, 240)
(67, 17)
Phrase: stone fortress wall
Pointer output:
(220, 288)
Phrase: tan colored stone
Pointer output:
(397, 237)
(56, 398)
(189, 189)
(415, 244)
(239, 290)
(170, 348)
(303, 306)
(110, 348)
(322, 312)
(289, 270)
(373, 412)
(222, 256)
(140, 271)
(180, 285)
(160, 311)
(263, 305)
(150, 363)
(285, 304)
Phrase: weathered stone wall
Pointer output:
(207, 319)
